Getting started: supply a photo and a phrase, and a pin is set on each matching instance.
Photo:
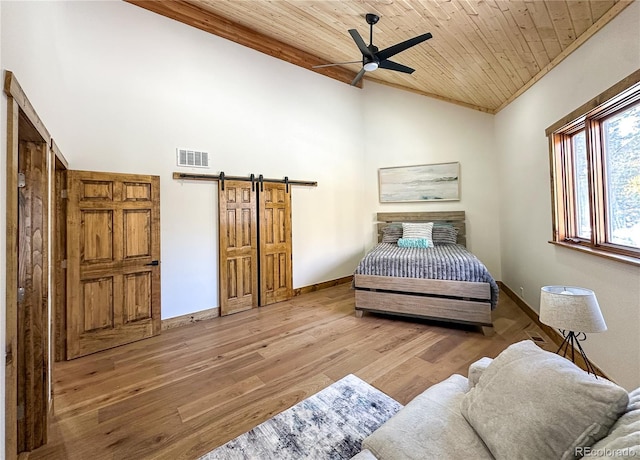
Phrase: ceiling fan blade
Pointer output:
(358, 77)
(337, 63)
(361, 44)
(395, 49)
(387, 64)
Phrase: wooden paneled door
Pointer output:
(275, 244)
(238, 237)
(254, 245)
(113, 272)
(32, 355)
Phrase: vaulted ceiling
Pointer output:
(483, 54)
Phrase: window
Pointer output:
(595, 162)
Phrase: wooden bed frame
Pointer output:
(453, 301)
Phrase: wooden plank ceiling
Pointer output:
(483, 53)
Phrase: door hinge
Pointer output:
(21, 293)
(20, 412)
(22, 180)
(63, 264)
(64, 193)
(8, 356)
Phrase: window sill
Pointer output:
(605, 254)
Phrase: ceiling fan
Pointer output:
(373, 59)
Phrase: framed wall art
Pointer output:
(435, 182)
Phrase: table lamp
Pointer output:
(573, 311)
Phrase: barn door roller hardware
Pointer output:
(251, 178)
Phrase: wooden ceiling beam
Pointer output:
(187, 13)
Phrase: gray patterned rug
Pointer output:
(331, 424)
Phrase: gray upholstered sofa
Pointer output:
(525, 404)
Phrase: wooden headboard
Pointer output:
(454, 218)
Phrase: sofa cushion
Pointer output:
(623, 441)
(540, 403)
(476, 369)
(429, 427)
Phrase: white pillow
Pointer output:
(418, 231)
(530, 403)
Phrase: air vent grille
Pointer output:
(192, 158)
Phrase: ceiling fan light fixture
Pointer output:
(373, 58)
(371, 66)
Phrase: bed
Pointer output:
(445, 282)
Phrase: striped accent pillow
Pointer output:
(418, 230)
(444, 234)
(391, 233)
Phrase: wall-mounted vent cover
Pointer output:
(192, 158)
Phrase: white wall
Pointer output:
(528, 261)
(403, 129)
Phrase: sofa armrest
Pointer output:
(623, 440)
(476, 370)
(364, 455)
(430, 426)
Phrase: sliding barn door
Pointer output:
(113, 272)
(275, 244)
(238, 242)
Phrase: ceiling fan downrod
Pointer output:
(371, 20)
(371, 64)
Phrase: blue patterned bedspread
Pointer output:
(442, 262)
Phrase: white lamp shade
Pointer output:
(571, 309)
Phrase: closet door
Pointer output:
(276, 277)
(238, 242)
(113, 257)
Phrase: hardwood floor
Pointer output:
(191, 389)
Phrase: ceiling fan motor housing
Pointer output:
(372, 18)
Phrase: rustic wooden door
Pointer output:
(275, 244)
(238, 236)
(33, 380)
(113, 272)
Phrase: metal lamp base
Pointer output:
(572, 340)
